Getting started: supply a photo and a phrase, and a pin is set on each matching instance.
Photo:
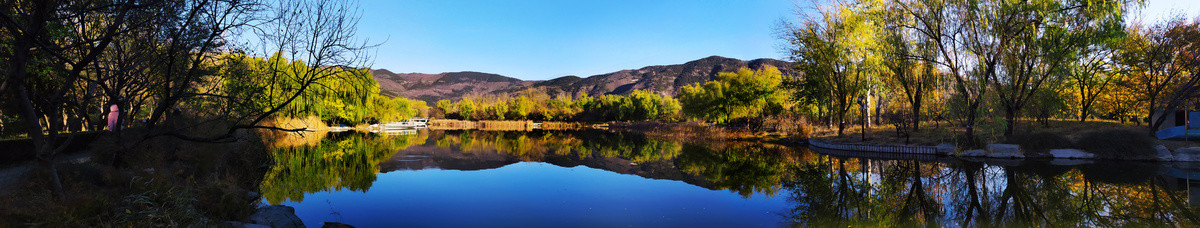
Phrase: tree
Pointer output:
(908, 70)
(1164, 64)
(162, 54)
(833, 49)
(963, 38)
(446, 107)
(520, 107)
(1042, 38)
(1092, 74)
(466, 109)
(740, 94)
(49, 44)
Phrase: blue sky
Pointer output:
(544, 39)
(538, 40)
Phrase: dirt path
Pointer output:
(12, 176)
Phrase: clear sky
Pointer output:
(544, 39)
(537, 40)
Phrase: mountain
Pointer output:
(665, 79)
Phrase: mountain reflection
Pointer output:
(821, 190)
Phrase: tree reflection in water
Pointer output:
(822, 190)
(344, 161)
(850, 191)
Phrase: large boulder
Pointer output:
(1071, 153)
(1164, 154)
(1004, 151)
(1189, 154)
(277, 216)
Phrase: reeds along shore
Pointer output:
(501, 125)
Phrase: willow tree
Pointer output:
(906, 56)
(1042, 38)
(834, 50)
(741, 94)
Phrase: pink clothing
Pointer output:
(113, 113)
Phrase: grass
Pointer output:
(1040, 143)
(1118, 144)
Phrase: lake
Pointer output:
(606, 179)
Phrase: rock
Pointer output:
(1004, 151)
(972, 153)
(946, 148)
(276, 216)
(1188, 154)
(1071, 153)
(335, 225)
(252, 195)
(1163, 153)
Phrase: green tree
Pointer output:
(740, 94)
(466, 109)
(520, 107)
(834, 50)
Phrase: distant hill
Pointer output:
(666, 79)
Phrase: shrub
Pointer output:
(1040, 143)
(1118, 144)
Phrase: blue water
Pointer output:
(604, 179)
(534, 194)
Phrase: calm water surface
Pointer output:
(604, 179)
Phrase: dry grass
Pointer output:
(505, 125)
(315, 131)
(560, 126)
(449, 124)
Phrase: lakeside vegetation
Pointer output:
(984, 66)
(203, 87)
(196, 85)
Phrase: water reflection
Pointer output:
(851, 191)
(819, 189)
(343, 161)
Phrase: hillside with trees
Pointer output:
(666, 79)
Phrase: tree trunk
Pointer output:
(1010, 121)
(1150, 123)
(841, 128)
(51, 169)
(971, 115)
(916, 112)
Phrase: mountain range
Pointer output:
(662, 79)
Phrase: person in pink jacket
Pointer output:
(113, 113)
